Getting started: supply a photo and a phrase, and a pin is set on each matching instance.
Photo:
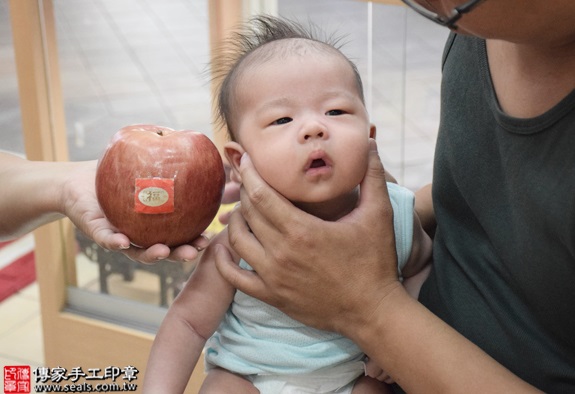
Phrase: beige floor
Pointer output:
(21, 329)
(21, 341)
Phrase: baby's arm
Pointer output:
(420, 250)
(418, 265)
(424, 209)
(191, 320)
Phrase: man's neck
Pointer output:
(530, 80)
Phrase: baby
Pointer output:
(295, 105)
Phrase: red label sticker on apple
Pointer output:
(154, 195)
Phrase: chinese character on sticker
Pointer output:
(17, 379)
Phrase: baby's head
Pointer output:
(295, 105)
(258, 41)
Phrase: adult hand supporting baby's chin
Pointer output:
(330, 275)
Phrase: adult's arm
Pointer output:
(28, 196)
(342, 276)
(36, 193)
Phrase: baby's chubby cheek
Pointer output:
(272, 172)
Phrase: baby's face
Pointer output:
(304, 125)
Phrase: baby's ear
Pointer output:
(234, 152)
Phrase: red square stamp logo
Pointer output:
(17, 379)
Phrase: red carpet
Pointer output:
(19, 271)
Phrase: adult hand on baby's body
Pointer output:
(330, 275)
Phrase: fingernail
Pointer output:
(244, 158)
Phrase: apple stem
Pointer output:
(159, 132)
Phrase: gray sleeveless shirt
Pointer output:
(504, 198)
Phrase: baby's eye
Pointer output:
(281, 121)
(334, 112)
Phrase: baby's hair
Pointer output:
(253, 35)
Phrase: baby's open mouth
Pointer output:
(317, 163)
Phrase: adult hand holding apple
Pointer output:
(158, 185)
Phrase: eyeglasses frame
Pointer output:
(447, 21)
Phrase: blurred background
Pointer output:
(146, 61)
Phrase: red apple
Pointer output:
(158, 185)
